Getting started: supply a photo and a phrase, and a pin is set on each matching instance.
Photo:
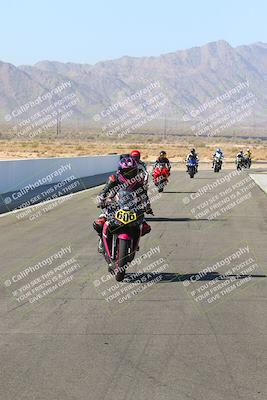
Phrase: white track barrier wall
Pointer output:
(27, 182)
(16, 174)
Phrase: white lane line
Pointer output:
(48, 201)
(261, 180)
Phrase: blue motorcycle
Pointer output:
(192, 166)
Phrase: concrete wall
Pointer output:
(30, 181)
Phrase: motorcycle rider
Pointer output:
(194, 155)
(126, 175)
(136, 155)
(248, 153)
(240, 156)
(247, 157)
(162, 159)
(218, 153)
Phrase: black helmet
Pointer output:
(193, 150)
(162, 153)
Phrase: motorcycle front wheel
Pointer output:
(161, 184)
(191, 173)
(122, 259)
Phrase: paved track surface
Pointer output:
(161, 344)
(261, 180)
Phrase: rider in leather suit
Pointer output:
(126, 175)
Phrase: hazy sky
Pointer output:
(91, 31)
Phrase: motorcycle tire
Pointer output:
(122, 259)
(191, 173)
(161, 185)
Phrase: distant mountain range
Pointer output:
(188, 78)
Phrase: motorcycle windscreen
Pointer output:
(126, 199)
(191, 161)
(130, 200)
(163, 165)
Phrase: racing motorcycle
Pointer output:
(191, 166)
(122, 230)
(160, 176)
(246, 161)
(217, 163)
(239, 162)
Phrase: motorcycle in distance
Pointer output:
(160, 176)
(239, 162)
(122, 230)
(247, 161)
(191, 166)
(217, 163)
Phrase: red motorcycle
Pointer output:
(160, 175)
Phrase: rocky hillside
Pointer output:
(188, 78)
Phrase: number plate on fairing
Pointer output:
(125, 217)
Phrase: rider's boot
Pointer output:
(101, 248)
(98, 226)
(146, 228)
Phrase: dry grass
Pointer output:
(176, 150)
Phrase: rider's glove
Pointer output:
(149, 210)
(100, 201)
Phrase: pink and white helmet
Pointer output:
(128, 167)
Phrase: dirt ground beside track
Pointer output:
(176, 150)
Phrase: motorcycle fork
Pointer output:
(132, 250)
(114, 246)
(136, 241)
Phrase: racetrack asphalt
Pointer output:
(162, 342)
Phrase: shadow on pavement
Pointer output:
(193, 277)
(166, 191)
(166, 219)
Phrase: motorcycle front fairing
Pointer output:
(162, 170)
(127, 203)
(191, 162)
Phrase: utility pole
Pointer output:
(165, 126)
(58, 124)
